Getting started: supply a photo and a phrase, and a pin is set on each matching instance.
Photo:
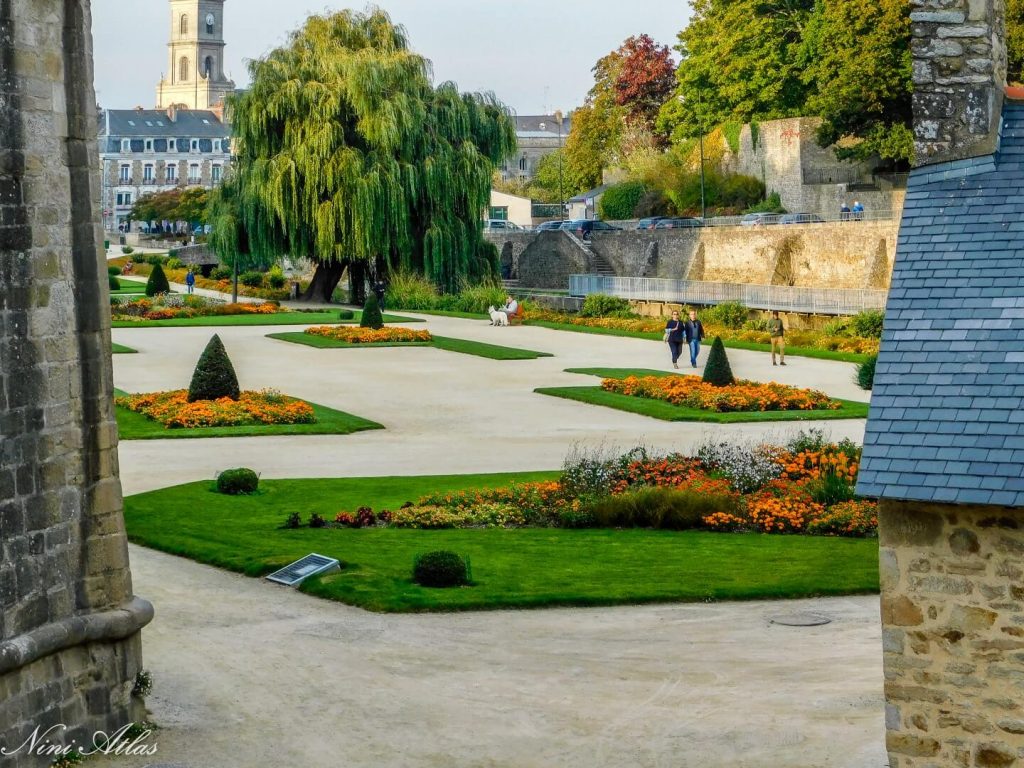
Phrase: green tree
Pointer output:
(214, 376)
(192, 204)
(739, 62)
(157, 282)
(620, 201)
(371, 317)
(1015, 40)
(859, 66)
(348, 155)
(717, 370)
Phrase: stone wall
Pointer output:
(959, 49)
(69, 624)
(853, 254)
(953, 616)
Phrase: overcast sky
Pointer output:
(536, 55)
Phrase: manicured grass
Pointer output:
(135, 426)
(524, 568)
(624, 373)
(449, 313)
(659, 409)
(462, 346)
(329, 317)
(821, 354)
(120, 349)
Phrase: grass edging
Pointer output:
(281, 318)
(136, 426)
(461, 346)
(121, 349)
(517, 568)
(659, 409)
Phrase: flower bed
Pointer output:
(174, 307)
(355, 335)
(174, 411)
(655, 326)
(693, 392)
(774, 489)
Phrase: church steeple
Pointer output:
(195, 77)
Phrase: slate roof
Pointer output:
(528, 126)
(947, 411)
(590, 194)
(154, 123)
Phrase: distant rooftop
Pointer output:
(947, 411)
(156, 123)
(528, 126)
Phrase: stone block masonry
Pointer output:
(69, 623)
(953, 642)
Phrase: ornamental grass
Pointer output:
(354, 335)
(174, 411)
(693, 392)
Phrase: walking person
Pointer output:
(190, 281)
(674, 335)
(778, 333)
(694, 329)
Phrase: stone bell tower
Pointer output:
(70, 646)
(195, 76)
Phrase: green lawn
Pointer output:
(822, 354)
(328, 317)
(135, 426)
(659, 409)
(449, 313)
(462, 346)
(120, 349)
(511, 568)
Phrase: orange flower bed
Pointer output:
(356, 335)
(147, 309)
(693, 392)
(174, 411)
(809, 465)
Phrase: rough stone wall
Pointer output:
(833, 255)
(959, 49)
(69, 625)
(953, 634)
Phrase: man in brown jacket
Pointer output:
(778, 333)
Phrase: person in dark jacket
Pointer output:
(674, 335)
(694, 329)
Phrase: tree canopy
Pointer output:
(348, 155)
(173, 205)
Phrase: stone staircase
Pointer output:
(599, 264)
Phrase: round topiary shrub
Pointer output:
(113, 270)
(372, 317)
(717, 370)
(156, 259)
(127, 250)
(157, 282)
(237, 482)
(866, 373)
(115, 284)
(214, 376)
(346, 314)
(252, 279)
(221, 273)
(440, 569)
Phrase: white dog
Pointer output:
(497, 317)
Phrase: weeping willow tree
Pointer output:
(348, 155)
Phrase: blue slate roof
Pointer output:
(155, 123)
(947, 411)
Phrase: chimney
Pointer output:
(959, 50)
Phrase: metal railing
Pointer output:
(835, 175)
(785, 298)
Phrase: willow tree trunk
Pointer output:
(325, 280)
(357, 283)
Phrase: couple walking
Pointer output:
(677, 332)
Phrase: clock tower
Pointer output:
(195, 77)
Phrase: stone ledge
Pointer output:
(116, 624)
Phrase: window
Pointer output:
(172, 174)
(124, 198)
(216, 145)
(184, 24)
(499, 213)
(172, 145)
(149, 145)
(215, 174)
(126, 174)
(193, 174)
(522, 163)
(183, 69)
(208, 66)
(209, 24)
(147, 172)
(195, 145)
(126, 145)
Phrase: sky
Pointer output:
(536, 55)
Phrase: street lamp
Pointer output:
(561, 196)
(700, 128)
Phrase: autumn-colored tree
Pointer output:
(645, 80)
(1015, 40)
(174, 205)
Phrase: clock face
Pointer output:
(210, 19)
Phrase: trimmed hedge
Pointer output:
(214, 376)
(440, 569)
(237, 482)
(717, 370)
(157, 282)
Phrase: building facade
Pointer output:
(147, 151)
(538, 136)
(195, 76)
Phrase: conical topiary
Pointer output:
(157, 282)
(214, 376)
(372, 317)
(717, 370)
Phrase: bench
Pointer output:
(517, 317)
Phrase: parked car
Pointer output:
(500, 225)
(760, 219)
(649, 223)
(681, 222)
(547, 226)
(584, 227)
(801, 218)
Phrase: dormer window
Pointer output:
(195, 145)
(172, 145)
(149, 145)
(216, 145)
(126, 145)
